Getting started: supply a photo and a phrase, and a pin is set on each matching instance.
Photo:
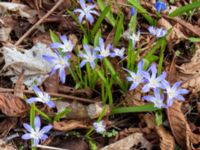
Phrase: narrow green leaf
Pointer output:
(99, 21)
(42, 114)
(134, 109)
(101, 76)
(61, 114)
(110, 16)
(193, 39)
(143, 11)
(119, 29)
(54, 37)
(180, 10)
(96, 38)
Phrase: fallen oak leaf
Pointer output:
(69, 125)
(179, 126)
(12, 106)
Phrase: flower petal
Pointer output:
(83, 62)
(51, 104)
(62, 74)
(26, 136)
(37, 123)
(46, 129)
(37, 91)
(28, 127)
(90, 18)
(35, 142)
(32, 100)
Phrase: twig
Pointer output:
(50, 147)
(54, 94)
(39, 22)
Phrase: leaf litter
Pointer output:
(24, 36)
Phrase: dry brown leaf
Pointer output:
(180, 128)
(6, 146)
(19, 87)
(12, 106)
(189, 73)
(166, 139)
(130, 142)
(6, 125)
(176, 34)
(69, 125)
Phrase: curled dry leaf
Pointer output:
(189, 72)
(6, 125)
(167, 141)
(12, 106)
(69, 125)
(131, 142)
(180, 128)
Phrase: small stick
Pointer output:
(53, 94)
(39, 22)
(50, 147)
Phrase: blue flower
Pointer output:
(99, 127)
(157, 32)
(174, 92)
(160, 6)
(153, 81)
(89, 56)
(67, 45)
(118, 52)
(136, 78)
(36, 133)
(42, 97)
(104, 51)
(157, 99)
(86, 12)
(60, 63)
(132, 11)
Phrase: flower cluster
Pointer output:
(158, 84)
(99, 127)
(99, 52)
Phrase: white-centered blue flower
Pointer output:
(174, 92)
(42, 97)
(37, 134)
(104, 51)
(136, 78)
(89, 56)
(86, 11)
(157, 99)
(67, 45)
(135, 38)
(118, 52)
(157, 32)
(153, 81)
(60, 63)
(99, 127)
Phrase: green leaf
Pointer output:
(183, 9)
(96, 38)
(119, 29)
(102, 76)
(134, 109)
(193, 39)
(143, 11)
(61, 114)
(85, 40)
(42, 114)
(99, 21)
(110, 16)
(54, 37)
